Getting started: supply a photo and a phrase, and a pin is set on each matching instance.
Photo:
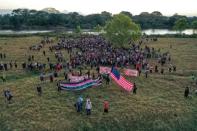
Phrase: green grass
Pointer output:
(158, 105)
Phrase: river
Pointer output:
(148, 32)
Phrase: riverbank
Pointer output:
(70, 34)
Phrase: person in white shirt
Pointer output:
(88, 106)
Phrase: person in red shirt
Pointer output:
(106, 106)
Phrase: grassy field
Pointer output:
(158, 105)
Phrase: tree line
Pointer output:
(33, 19)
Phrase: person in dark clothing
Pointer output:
(39, 90)
(107, 79)
(15, 64)
(55, 74)
(134, 88)
(5, 67)
(8, 95)
(88, 73)
(140, 72)
(51, 78)
(58, 86)
(162, 71)
(3, 78)
(65, 76)
(170, 69)
(186, 94)
(32, 57)
(79, 104)
(29, 59)
(98, 69)
(4, 55)
(48, 59)
(11, 65)
(80, 72)
(93, 75)
(146, 73)
(174, 68)
(106, 106)
(44, 53)
(24, 65)
(156, 69)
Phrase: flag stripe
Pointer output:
(122, 82)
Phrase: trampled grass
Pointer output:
(158, 105)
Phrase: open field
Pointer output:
(158, 105)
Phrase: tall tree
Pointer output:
(78, 30)
(121, 30)
(194, 24)
(127, 13)
(181, 24)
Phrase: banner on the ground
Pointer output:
(80, 85)
(104, 70)
(131, 72)
(77, 78)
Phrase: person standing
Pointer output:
(174, 68)
(156, 68)
(58, 86)
(170, 69)
(186, 94)
(88, 106)
(162, 71)
(15, 64)
(8, 95)
(39, 90)
(107, 79)
(51, 78)
(134, 88)
(106, 106)
(48, 59)
(44, 53)
(146, 73)
(79, 104)
(10, 64)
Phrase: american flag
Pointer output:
(130, 72)
(120, 80)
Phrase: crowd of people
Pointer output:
(93, 51)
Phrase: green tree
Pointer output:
(181, 24)
(98, 28)
(78, 30)
(121, 30)
(127, 13)
(194, 24)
